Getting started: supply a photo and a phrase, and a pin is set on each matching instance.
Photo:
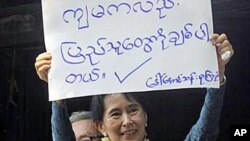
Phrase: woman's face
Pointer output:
(123, 120)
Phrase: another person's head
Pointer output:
(120, 116)
(83, 126)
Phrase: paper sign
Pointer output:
(115, 46)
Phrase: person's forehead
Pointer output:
(114, 100)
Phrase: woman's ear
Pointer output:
(100, 127)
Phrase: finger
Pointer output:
(42, 63)
(44, 68)
(47, 71)
(42, 72)
(46, 74)
(220, 39)
(224, 44)
(214, 38)
(46, 78)
(44, 56)
(43, 77)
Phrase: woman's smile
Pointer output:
(128, 134)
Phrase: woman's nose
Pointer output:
(127, 120)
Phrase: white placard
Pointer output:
(112, 46)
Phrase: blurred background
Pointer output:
(24, 108)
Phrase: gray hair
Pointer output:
(81, 115)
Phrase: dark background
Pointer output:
(24, 108)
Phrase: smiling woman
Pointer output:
(120, 116)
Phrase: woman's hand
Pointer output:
(42, 65)
(222, 46)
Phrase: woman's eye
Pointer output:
(133, 110)
(115, 115)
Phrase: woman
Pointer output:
(121, 117)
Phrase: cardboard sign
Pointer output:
(115, 46)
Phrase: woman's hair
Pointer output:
(97, 105)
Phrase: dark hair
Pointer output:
(97, 105)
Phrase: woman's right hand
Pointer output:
(42, 65)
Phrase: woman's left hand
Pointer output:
(223, 49)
